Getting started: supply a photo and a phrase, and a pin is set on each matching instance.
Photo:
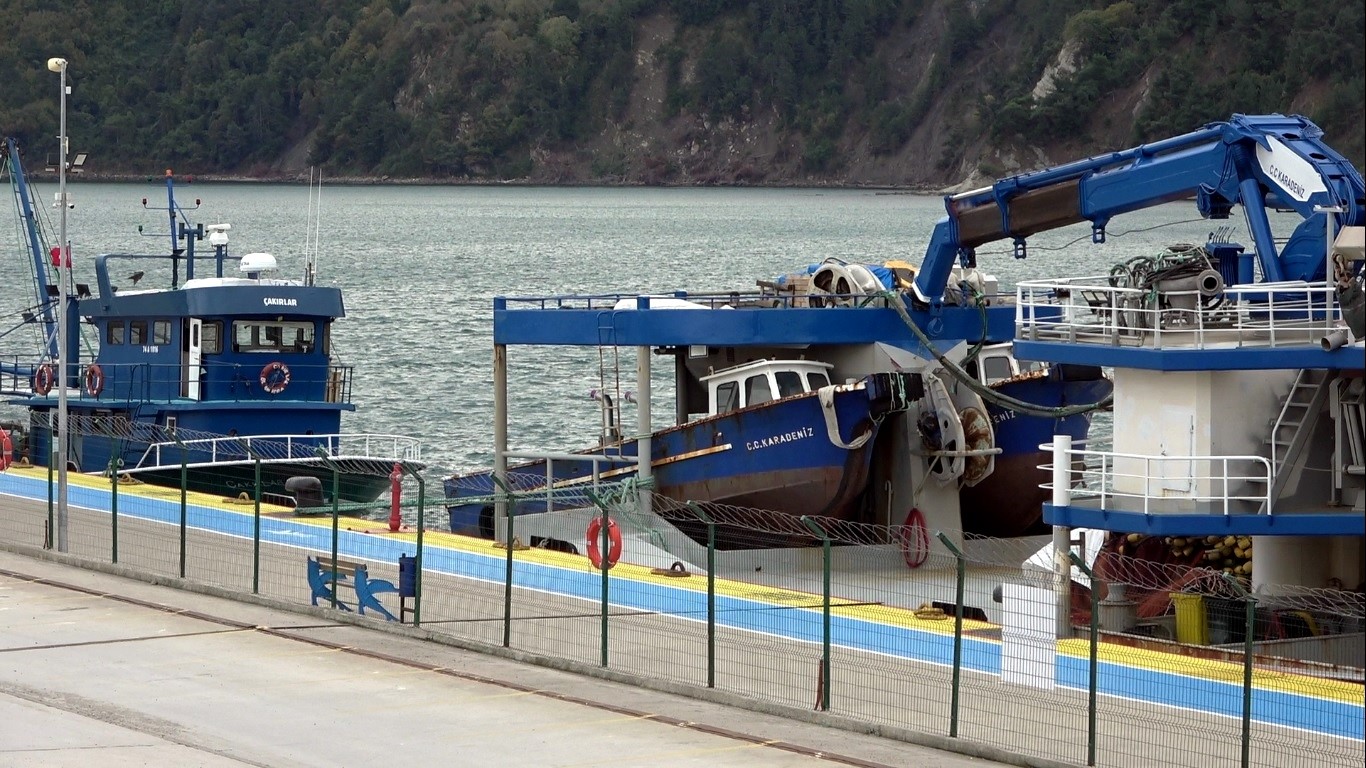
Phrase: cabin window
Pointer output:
(757, 390)
(114, 333)
(997, 367)
(817, 379)
(789, 383)
(161, 332)
(272, 336)
(137, 332)
(211, 338)
(727, 397)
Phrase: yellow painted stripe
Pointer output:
(892, 616)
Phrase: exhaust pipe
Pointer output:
(1336, 340)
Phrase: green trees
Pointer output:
(489, 88)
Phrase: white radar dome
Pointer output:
(257, 262)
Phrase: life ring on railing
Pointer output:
(44, 378)
(274, 377)
(915, 539)
(94, 379)
(594, 534)
(6, 451)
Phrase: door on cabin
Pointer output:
(192, 371)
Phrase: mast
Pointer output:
(36, 249)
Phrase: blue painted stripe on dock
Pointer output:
(801, 624)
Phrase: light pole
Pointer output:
(58, 65)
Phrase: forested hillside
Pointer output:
(886, 92)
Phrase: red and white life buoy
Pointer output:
(274, 377)
(94, 379)
(44, 378)
(594, 534)
(6, 450)
(915, 539)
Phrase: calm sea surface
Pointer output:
(419, 268)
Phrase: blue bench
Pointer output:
(348, 574)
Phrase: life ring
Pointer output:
(915, 539)
(6, 451)
(44, 378)
(274, 377)
(594, 534)
(94, 379)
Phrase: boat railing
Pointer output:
(762, 299)
(1156, 484)
(552, 489)
(341, 447)
(1091, 310)
(168, 382)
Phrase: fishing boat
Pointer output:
(828, 443)
(225, 371)
(777, 435)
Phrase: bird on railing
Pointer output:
(135, 277)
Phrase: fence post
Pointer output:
(509, 538)
(336, 502)
(256, 520)
(52, 460)
(605, 546)
(1094, 666)
(961, 561)
(114, 463)
(421, 534)
(1249, 632)
(825, 610)
(184, 488)
(711, 592)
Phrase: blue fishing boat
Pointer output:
(227, 365)
(846, 333)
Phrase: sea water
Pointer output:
(419, 267)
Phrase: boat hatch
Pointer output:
(761, 381)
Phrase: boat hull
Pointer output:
(780, 456)
(1010, 502)
(364, 481)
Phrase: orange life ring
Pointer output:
(44, 378)
(6, 450)
(274, 377)
(595, 541)
(915, 539)
(94, 379)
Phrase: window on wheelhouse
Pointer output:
(815, 380)
(758, 390)
(789, 383)
(211, 337)
(727, 396)
(137, 332)
(995, 368)
(161, 332)
(272, 336)
(114, 333)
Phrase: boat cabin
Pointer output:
(761, 381)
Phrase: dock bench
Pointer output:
(349, 573)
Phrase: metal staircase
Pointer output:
(1291, 429)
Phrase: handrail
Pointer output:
(1090, 310)
(1219, 475)
(283, 446)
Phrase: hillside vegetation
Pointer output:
(912, 93)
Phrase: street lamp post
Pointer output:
(58, 65)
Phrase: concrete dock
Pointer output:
(98, 670)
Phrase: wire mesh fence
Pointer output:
(1112, 660)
